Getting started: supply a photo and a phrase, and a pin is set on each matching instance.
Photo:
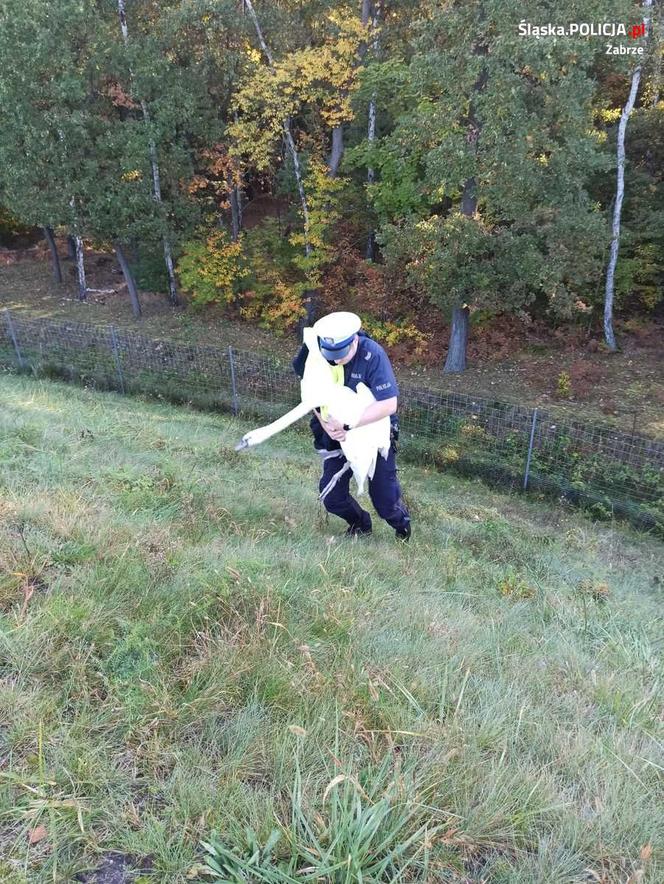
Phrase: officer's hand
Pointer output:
(337, 435)
(334, 429)
(334, 424)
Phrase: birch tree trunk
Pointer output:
(78, 249)
(154, 163)
(75, 238)
(80, 270)
(609, 335)
(371, 128)
(129, 279)
(55, 258)
(658, 40)
(295, 158)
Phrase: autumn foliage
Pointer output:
(211, 269)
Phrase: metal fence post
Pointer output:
(233, 383)
(116, 357)
(12, 335)
(530, 450)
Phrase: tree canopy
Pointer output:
(481, 157)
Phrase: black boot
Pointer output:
(360, 529)
(403, 533)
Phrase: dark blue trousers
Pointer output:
(384, 491)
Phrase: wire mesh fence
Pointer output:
(603, 469)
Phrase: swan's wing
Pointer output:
(360, 457)
(362, 444)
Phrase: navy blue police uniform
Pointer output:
(370, 366)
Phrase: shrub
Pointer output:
(512, 586)
(639, 277)
(273, 295)
(564, 386)
(149, 270)
(10, 227)
(279, 310)
(390, 332)
(212, 269)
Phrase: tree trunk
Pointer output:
(371, 174)
(170, 269)
(658, 41)
(456, 353)
(469, 197)
(129, 279)
(609, 335)
(156, 194)
(292, 149)
(371, 126)
(235, 197)
(71, 247)
(236, 210)
(55, 258)
(309, 302)
(240, 210)
(156, 178)
(337, 151)
(80, 270)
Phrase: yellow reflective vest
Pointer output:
(338, 377)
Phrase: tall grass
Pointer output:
(199, 676)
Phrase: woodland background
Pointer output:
(421, 163)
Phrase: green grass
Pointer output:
(190, 654)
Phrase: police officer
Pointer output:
(343, 343)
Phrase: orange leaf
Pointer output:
(37, 834)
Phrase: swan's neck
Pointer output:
(281, 423)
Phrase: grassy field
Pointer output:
(188, 647)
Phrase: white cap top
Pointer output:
(338, 326)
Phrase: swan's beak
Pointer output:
(244, 443)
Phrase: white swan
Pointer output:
(317, 388)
